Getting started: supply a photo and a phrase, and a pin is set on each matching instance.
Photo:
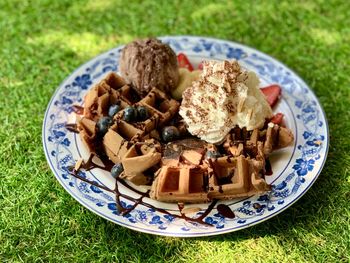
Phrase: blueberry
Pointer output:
(142, 113)
(103, 125)
(170, 133)
(113, 109)
(130, 114)
(212, 154)
(117, 169)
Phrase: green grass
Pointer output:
(42, 42)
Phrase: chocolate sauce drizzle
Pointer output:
(72, 127)
(107, 165)
(268, 168)
(225, 211)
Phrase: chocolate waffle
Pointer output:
(238, 172)
(241, 172)
(180, 184)
(159, 104)
(119, 138)
(122, 141)
(238, 177)
(98, 99)
(183, 176)
(138, 160)
(188, 170)
(87, 132)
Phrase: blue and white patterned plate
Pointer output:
(295, 168)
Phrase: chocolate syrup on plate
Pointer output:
(72, 127)
(268, 168)
(225, 211)
(107, 165)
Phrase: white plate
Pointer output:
(295, 168)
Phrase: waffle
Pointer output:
(237, 178)
(239, 141)
(137, 160)
(238, 173)
(183, 176)
(180, 184)
(180, 171)
(119, 139)
(98, 99)
(122, 141)
(87, 132)
(159, 104)
(243, 173)
(223, 178)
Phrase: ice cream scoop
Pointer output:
(149, 63)
(224, 96)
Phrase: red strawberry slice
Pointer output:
(184, 62)
(277, 118)
(200, 66)
(272, 94)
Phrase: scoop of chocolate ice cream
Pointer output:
(149, 63)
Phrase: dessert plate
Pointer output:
(295, 168)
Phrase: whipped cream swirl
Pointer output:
(224, 96)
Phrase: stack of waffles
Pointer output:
(192, 175)
(188, 170)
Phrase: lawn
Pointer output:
(42, 42)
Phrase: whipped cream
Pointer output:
(224, 96)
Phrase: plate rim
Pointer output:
(189, 234)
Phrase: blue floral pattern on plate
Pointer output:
(299, 171)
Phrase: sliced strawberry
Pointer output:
(184, 62)
(272, 93)
(277, 118)
(200, 66)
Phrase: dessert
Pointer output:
(223, 97)
(147, 64)
(193, 171)
(213, 145)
